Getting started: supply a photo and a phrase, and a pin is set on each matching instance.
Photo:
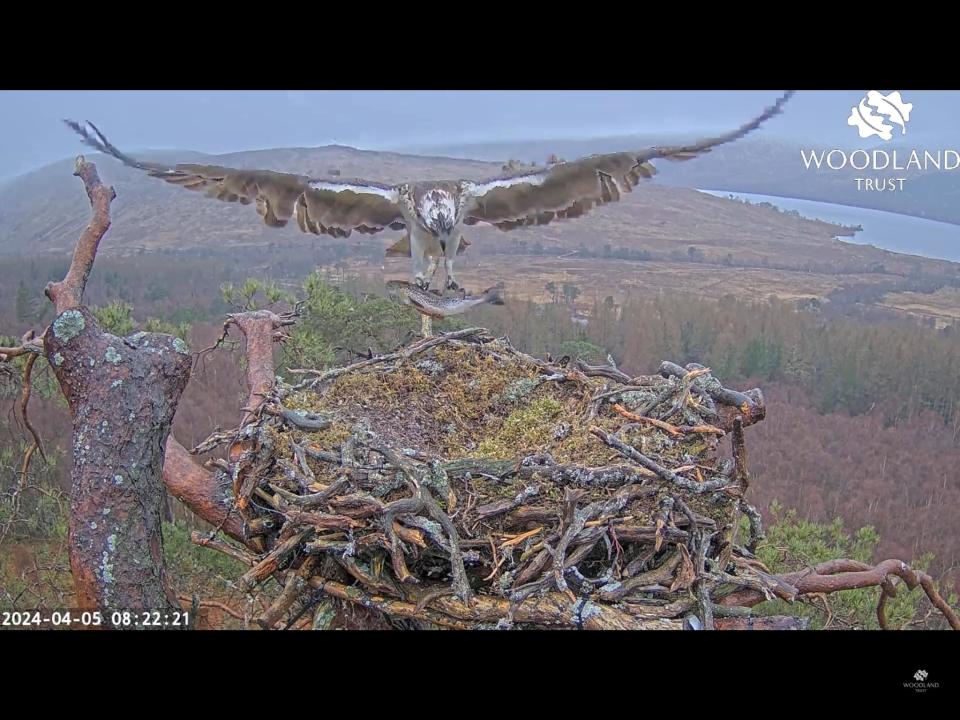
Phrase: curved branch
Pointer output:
(199, 490)
(837, 575)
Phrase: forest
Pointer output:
(856, 458)
(862, 428)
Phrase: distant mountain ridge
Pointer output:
(41, 210)
(45, 211)
(754, 165)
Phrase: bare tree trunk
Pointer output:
(122, 393)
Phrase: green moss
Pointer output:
(527, 429)
(181, 347)
(112, 356)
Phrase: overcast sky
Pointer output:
(31, 132)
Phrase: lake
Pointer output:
(886, 230)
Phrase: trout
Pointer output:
(433, 305)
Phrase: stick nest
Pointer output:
(461, 483)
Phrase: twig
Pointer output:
(408, 352)
(203, 540)
(213, 604)
(28, 454)
(661, 472)
(672, 429)
(24, 402)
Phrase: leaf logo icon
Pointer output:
(873, 113)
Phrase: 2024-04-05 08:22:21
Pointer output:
(94, 618)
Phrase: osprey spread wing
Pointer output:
(432, 212)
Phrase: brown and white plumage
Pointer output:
(432, 212)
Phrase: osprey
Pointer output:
(432, 212)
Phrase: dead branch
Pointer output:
(271, 562)
(838, 575)
(661, 472)
(554, 609)
(28, 453)
(294, 587)
(24, 403)
(770, 622)
(212, 604)
(204, 540)
(739, 447)
(672, 429)
(749, 404)
(68, 293)
(260, 328)
(29, 345)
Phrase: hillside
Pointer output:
(41, 210)
(659, 238)
(754, 165)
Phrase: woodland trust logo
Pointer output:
(920, 683)
(876, 116)
(868, 116)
